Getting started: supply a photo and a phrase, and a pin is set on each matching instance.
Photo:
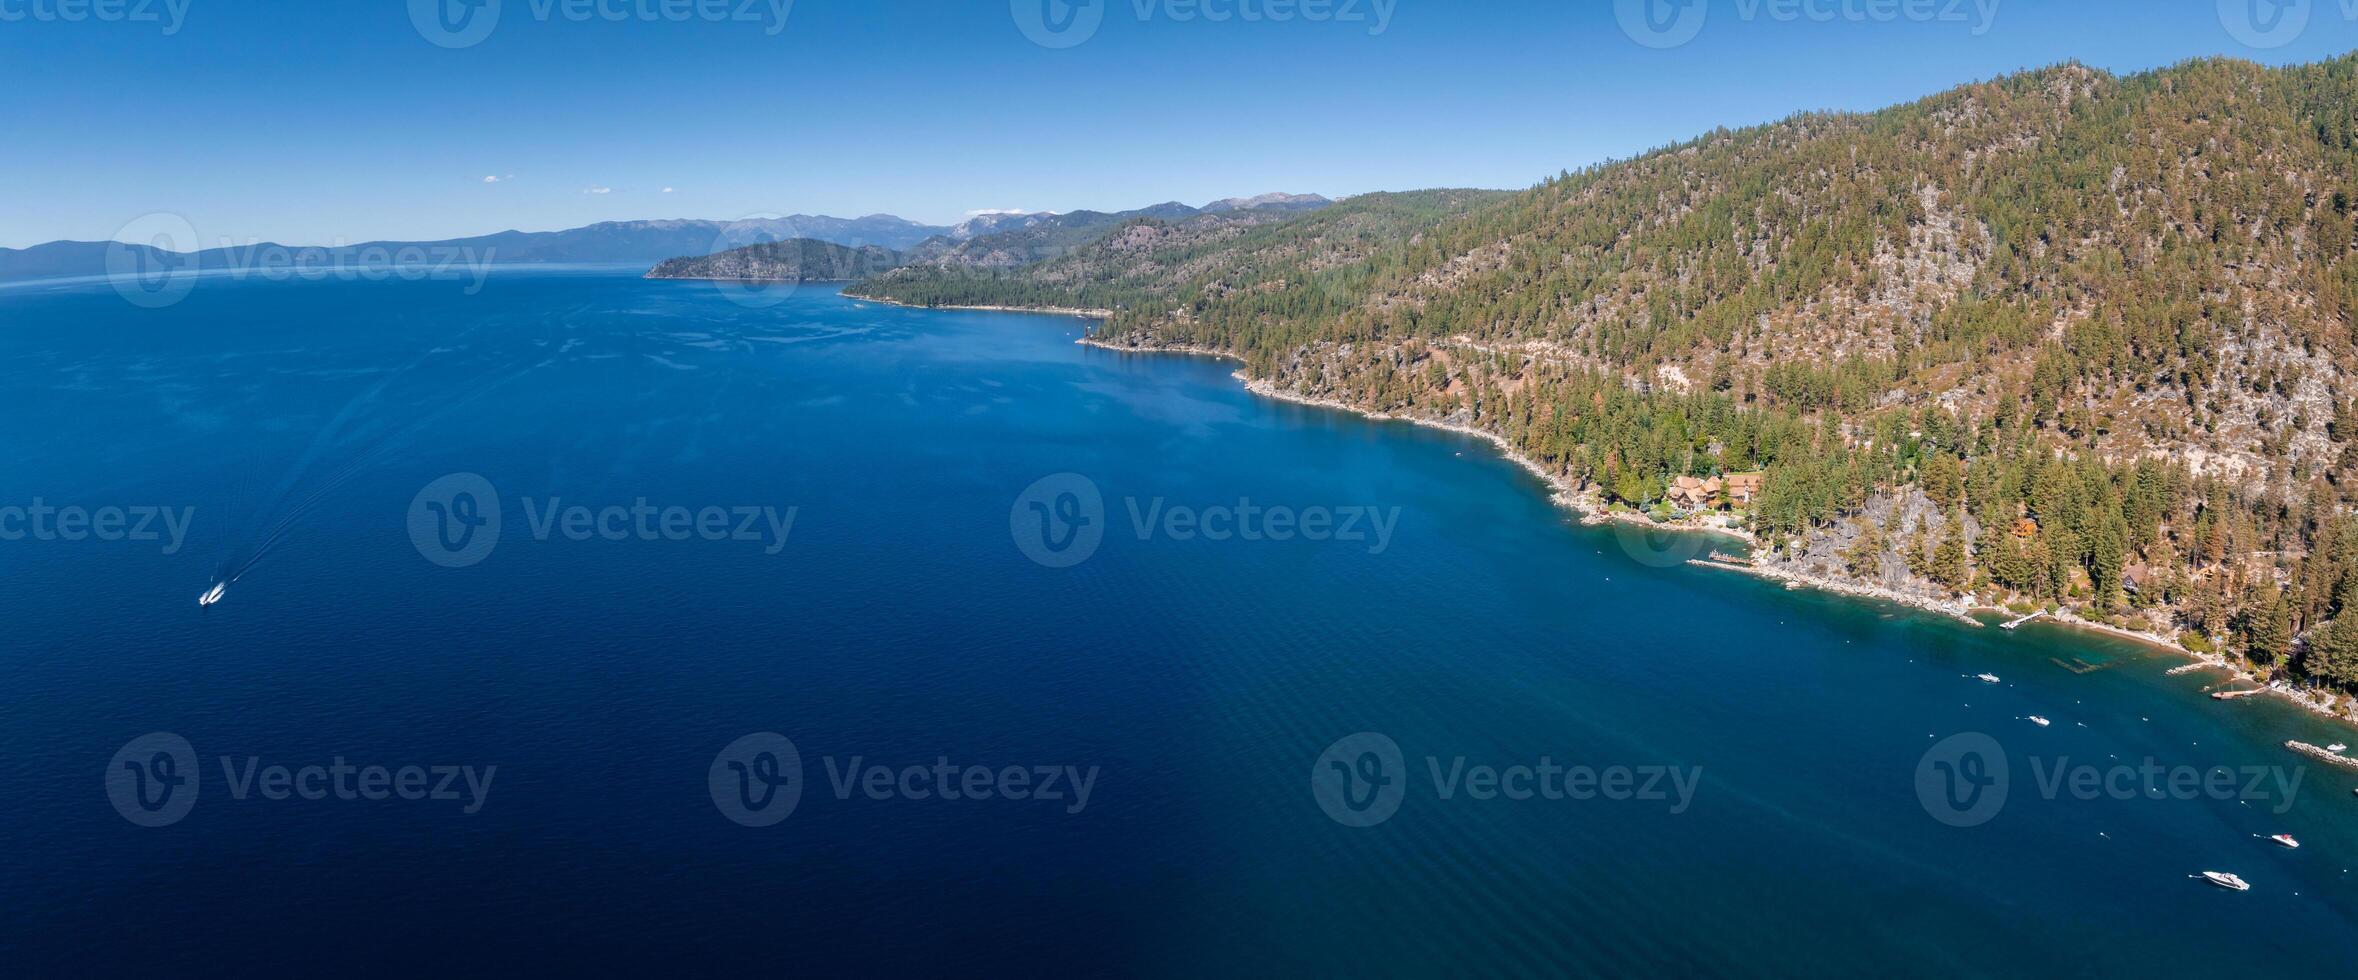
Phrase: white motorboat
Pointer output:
(2286, 840)
(213, 594)
(2041, 722)
(1986, 678)
(2225, 880)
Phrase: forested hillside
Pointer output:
(2060, 338)
(793, 260)
(1156, 263)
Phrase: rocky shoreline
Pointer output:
(1591, 507)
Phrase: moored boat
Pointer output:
(2225, 880)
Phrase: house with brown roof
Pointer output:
(1742, 489)
(1691, 493)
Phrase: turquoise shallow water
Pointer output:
(903, 619)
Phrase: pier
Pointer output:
(2322, 754)
(2232, 695)
(2012, 623)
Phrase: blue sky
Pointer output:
(312, 122)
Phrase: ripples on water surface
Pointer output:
(900, 624)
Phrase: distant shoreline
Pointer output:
(1051, 310)
(743, 279)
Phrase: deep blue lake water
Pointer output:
(1196, 678)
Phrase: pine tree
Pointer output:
(2267, 631)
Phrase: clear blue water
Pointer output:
(901, 623)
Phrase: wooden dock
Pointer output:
(2012, 623)
(2232, 695)
(2195, 666)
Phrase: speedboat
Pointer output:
(213, 594)
(2225, 880)
(2041, 722)
(2286, 840)
(1987, 678)
(2337, 747)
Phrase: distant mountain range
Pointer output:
(636, 242)
(983, 243)
(610, 242)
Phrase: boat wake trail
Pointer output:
(361, 437)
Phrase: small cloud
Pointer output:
(667, 190)
(495, 178)
(597, 190)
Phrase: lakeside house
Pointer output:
(1689, 493)
(1741, 489)
(1706, 493)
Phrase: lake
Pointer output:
(587, 623)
